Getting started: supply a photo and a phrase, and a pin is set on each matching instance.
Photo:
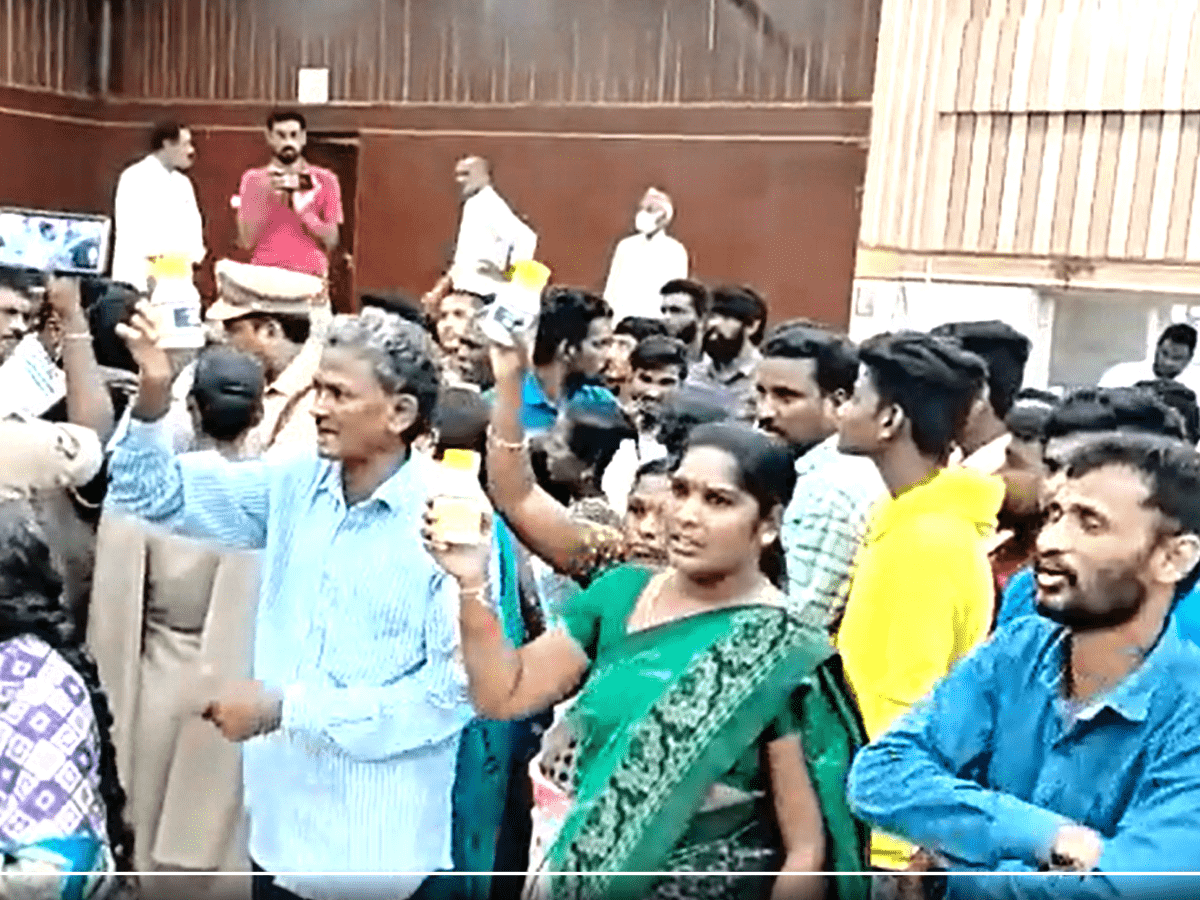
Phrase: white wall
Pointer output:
(880, 306)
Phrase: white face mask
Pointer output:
(646, 222)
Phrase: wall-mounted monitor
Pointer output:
(55, 241)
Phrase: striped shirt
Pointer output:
(823, 527)
(356, 625)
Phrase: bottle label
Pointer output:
(458, 520)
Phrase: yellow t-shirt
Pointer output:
(921, 597)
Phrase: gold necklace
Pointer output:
(647, 617)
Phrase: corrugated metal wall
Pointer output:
(1037, 128)
(515, 51)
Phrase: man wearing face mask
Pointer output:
(732, 331)
(289, 211)
(645, 261)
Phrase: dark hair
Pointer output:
(165, 132)
(1038, 395)
(104, 315)
(21, 280)
(1179, 333)
(227, 387)
(461, 420)
(1180, 398)
(401, 305)
(1002, 347)
(662, 466)
(295, 328)
(744, 304)
(640, 327)
(1170, 468)
(1113, 409)
(401, 356)
(31, 604)
(695, 290)
(660, 352)
(689, 407)
(933, 380)
(597, 430)
(766, 470)
(1026, 421)
(567, 314)
(835, 356)
(286, 115)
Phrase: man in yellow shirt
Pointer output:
(921, 594)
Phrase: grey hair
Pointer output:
(401, 354)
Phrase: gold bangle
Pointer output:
(502, 444)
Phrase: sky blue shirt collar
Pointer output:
(1130, 698)
(395, 493)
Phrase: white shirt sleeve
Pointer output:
(616, 272)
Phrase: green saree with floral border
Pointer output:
(673, 711)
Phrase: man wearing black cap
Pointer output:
(922, 591)
(732, 332)
(1005, 350)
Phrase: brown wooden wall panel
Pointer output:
(1060, 128)
(516, 51)
(46, 44)
(765, 196)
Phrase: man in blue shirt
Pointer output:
(1079, 417)
(353, 719)
(1068, 742)
(570, 351)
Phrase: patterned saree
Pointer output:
(667, 714)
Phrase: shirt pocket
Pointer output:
(373, 638)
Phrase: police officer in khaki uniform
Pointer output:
(280, 317)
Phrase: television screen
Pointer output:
(56, 241)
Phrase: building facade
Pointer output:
(1035, 161)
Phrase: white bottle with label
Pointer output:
(513, 314)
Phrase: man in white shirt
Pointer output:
(1172, 359)
(155, 210)
(659, 365)
(645, 261)
(491, 237)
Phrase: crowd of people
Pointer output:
(746, 598)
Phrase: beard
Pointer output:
(288, 155)
(687, 334)
(1120, 595)
(720, 348)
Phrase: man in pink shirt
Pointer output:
(289, 211)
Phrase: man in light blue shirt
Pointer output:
(1068, 742)
(353, 721)
(805, 374)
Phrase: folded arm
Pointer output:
(908, 782)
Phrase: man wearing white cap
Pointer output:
(269, 313)
(280, 317)
(645, 261)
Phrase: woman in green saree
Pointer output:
(715, 730)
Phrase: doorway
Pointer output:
(338, 152)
